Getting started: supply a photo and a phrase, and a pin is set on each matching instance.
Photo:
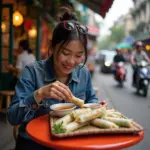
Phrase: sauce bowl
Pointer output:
(62, 109)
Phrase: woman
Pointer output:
(52, 80)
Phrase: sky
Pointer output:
(119, 7)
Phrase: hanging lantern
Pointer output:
(28, 24)
(17, 18)
(32, 33)
(3, 26)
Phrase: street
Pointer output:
(126, 101)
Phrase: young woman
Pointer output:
(52, 80)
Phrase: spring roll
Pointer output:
(121, 122)
(111, 110)
(77, 101)
(104, 124)
(77, 112)
(91, 115)
(114, 115)
(66, 119)
(74, 126)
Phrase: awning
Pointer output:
(98, 6)
(123, 45)
(92, 30)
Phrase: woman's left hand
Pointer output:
(104, 103)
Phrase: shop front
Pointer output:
(20, 21)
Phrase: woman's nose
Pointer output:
(71, 60)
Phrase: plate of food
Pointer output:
(86, 121)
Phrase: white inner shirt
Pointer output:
(24, 59)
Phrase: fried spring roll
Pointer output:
(77, 101)
(111, 110)
(104, 124)
(114, 115)
(91, 115)
(121, 122)
(74, 126)
(77, 112)
(66, 119)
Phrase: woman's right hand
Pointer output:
(56, 90)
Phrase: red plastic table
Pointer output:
(39, 130)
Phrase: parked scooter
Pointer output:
(120, 73)
(143, 77)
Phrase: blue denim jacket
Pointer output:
(36, 75)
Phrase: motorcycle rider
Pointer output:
(137, 56)
(118, 58)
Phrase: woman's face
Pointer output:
(68, 57)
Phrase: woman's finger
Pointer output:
(55, 96)
(62, 90)
(65, 87)
(104, 103)
(58, 93)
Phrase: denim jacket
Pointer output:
(22, 109)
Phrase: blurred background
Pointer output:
(112, 25)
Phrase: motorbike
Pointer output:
(143, 77)
(120, 73)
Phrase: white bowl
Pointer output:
(62, 109)
(92, 105)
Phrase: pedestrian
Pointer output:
(25, 57)
(52, 80)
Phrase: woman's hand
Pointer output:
(104, 103)
(56, 90)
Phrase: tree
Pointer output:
(116, 36)
(105, 43)
(117, 33)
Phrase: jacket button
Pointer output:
(34, 106)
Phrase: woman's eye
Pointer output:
(79, 56)
(65, 53)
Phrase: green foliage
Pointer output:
(58, 128)
(116, 36)
(133, 32)
(140, 26)
(105, 43)
(117, 33)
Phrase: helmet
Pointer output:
(139, 43)
(118, 49)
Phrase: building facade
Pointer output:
(141, 16)
(127, 21)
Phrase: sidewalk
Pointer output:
(6, 134)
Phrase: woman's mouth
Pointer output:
(67, 67)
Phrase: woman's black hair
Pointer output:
(63, 36)
(24, 44)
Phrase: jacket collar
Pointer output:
(50, 72)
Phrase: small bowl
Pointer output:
(92, 105)
(62, 109)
